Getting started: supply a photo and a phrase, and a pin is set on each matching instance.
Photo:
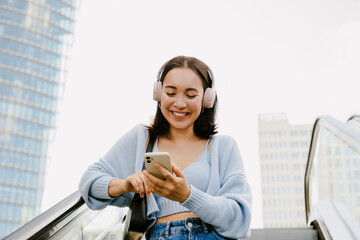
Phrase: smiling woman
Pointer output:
(207, 196)
(195, 80)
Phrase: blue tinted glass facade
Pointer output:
(34, 40)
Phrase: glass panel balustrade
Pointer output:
(334, 177)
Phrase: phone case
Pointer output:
(162, 158)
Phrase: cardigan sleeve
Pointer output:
(119, 162)
(228, 208)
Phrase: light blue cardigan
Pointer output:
(226, 204)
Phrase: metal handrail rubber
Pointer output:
(353, 117)
(321, 229)
(66, 210)
(314, 136)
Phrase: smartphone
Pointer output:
(162, 158)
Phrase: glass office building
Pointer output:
(35, 38)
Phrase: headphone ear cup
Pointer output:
(209, 98)
(157, 91)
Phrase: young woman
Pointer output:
(207, 196)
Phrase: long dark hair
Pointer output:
(204, 126)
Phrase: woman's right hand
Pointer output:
(134, 183)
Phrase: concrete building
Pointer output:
(283, 151)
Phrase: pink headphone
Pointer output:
(209, 95)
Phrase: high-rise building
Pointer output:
(283, 155)
(35, 38)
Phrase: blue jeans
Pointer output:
(191, 228)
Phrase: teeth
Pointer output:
(179, 114)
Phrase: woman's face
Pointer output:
(181, 98)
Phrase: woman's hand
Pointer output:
(134, 183)
(174, 187)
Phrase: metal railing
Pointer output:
(53, 220)
(72, 219)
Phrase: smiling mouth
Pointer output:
(179, 114)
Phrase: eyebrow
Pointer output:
(188, 89)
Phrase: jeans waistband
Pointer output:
(190, 224)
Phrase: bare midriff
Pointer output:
(176, 217)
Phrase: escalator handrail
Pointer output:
(46, 220)
(334, 125)
(353, 117)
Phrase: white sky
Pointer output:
(301, 58)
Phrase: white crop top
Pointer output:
(197, 174)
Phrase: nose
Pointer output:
(180, 102)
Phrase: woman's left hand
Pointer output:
(174, 187)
